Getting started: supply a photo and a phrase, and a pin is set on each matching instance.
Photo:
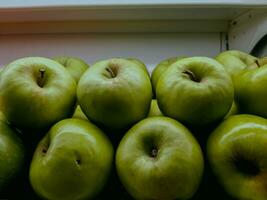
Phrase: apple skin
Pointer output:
(237, 153)
(2, 117)
(29, 102)
(250, 91)
(173, 173)
(78, 113)
(233, 110)
(161, 68)
(115, 93)
(12, 154)
(195, 91)
(73, 161)
(154, 109)
(75, 66)
(140, 63)
(235, 61)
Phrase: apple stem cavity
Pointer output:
(248, 167)
(257, 63)
(154, 153)
(190, 75)
(111, 73)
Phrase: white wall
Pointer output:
(149, 47)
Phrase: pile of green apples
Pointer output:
(72, 128)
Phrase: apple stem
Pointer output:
(190, 74)
(41, 78)
(111, 72)
(42, 71)
(257, 62)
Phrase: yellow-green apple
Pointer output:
(2, 117)
(233, 110)
(115, 93)
(12, 154)
(235, 61)
(196, 91)
(158, 158)
(237, 154)
(36, 92)
(73, 161)
(1, 69)
(140, 63)
(154, 109)
(75, 66)
(250, 90)
(78, 113)
(161, 68)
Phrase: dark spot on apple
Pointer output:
(78, 161)
(44, 150)
(246, 166)
(189, 74)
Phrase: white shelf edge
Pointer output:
(250, 27)
(133, 26)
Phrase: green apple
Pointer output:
(140, 63)
(160, 68)
(233, 110)
(237, 153)
(2, 117)
(250, 91)
(73, 161)
(36, 92)
(75, 66)
(115, 93)
(12, 155)
(196, 91)
(154, 109)
(235, 61)
(158, 158)
(258, 63)
(78, 113)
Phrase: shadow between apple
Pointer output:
(19, 187)
(209, 187)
